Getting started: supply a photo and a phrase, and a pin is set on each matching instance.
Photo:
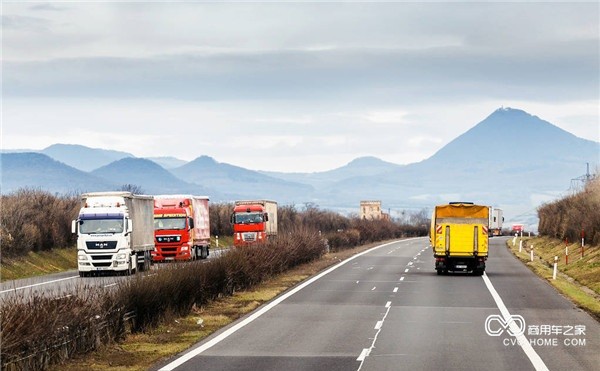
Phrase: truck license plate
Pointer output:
(461, 266)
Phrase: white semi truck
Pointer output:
(115, 232)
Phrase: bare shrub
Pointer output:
(568, 217)
(35, 220)
(220, 215)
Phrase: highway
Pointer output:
(386, 309)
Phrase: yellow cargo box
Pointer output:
(459, 236)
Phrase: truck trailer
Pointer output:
(253, 221)
(181, 227)
(496, 220)
(459, 237)
(114, 232)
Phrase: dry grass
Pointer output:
(579, 280)
(39, 263)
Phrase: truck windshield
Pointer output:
(169, 223)
(89, 226)
(248, 218)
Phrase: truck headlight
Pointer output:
(82, 257)
(121, 256)
(184, 248)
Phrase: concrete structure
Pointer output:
(370, 210)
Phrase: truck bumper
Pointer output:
(444, 264)
(170, 253)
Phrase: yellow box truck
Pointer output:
(459, 237)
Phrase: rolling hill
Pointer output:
(82, 157)
(38, 171)
(237, 182)
(151, 177)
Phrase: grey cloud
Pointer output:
(560, 71)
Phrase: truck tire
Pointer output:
(204, 252)
(82, 274)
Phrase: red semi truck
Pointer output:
(181, 227)
(253, 221)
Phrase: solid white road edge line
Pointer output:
(225, 334)
(535, 359)
(38, 284)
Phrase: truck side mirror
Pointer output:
(266, 217)
(129, 226)
(74, 226)
(191, 223)
(232, 219)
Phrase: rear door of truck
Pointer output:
(461, 237)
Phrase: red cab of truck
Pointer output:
(253, 221)
(181, 227)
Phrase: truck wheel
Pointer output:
(204, 252)
(439, 272)
(82, 274)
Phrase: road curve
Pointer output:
(386, 309)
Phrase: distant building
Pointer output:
(370, 210)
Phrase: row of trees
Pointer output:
(35, 220)
(569, 216)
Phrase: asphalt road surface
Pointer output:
(386, 309)
(68, 283)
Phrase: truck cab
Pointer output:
(173, 229)
(253, 221)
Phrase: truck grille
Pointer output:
(101, 245)
(164, 239)
(101, 264)
(101, 257)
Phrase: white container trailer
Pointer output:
(115, 232)
(496, 219)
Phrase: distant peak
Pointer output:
(205, 159)
(366, 160)
(504, 111)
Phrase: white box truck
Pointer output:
(115, 232)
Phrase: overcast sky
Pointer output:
(290, 86)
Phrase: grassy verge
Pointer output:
(142, 351)
(579, 280)
(39, 263)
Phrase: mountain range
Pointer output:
(511, 160)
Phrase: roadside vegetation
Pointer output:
(560, 228)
